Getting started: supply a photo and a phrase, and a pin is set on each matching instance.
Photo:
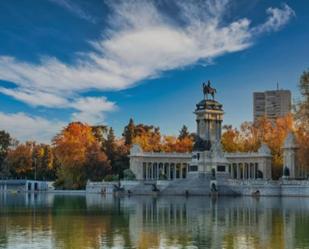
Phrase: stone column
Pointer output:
(238, 171)
(175, 171)
(150, 171)
(157, 169)
(246, 171)
(168, 174)
(180, 173)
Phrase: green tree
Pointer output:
(121, 159)
(184, 133)
(111, 149)
(302, 108)
(129, 133)
(5, 142)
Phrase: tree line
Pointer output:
(80, 152)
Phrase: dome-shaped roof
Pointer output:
(264, 149)
(290, 141)
(209, 104)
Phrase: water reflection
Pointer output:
(93, 221)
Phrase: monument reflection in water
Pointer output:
(92, 221)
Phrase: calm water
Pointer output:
(92, 221)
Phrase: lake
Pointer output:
(94, 221)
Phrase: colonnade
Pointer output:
(245, 171)
(164, 171)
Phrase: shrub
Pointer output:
(111, 178)
(128, 174)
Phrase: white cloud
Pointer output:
(91, 109)
(75, 9)
(35, 98)
(141, 42)
(25, 127)
(277, 18)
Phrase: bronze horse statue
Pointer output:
(207, 89)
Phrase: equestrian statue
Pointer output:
(207, 89)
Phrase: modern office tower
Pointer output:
(271, 104)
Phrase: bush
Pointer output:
(111, 178)
(128, 174)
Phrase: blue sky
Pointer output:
(106, 61)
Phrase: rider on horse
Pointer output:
(207, 89)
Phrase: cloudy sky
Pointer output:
(102, 61)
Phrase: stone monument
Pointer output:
(208, 160)
(289, 157)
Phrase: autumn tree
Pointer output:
(174, 144)
(148, 137)
(20, 160)
(43, 160)
(230, 139)
(31, 160)
(77, 151)
(251, 135)
(302, 122)
(100, 133)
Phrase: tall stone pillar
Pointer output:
(289, 157)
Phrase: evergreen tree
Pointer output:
(111, 148)
(5, 142)
(129, 133)
(184, 133)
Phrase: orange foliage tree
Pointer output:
(251, 135)
(153, 141)
(148, 137)
(20, 160)
(79, 156)
(302, 122)
(173, 144)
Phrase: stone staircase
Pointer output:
(197, 185)
(189, 186)
(142, 189)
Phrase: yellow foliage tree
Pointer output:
(20, 159)
(252, 135)
(77, 150)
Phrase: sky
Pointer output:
(104, 62)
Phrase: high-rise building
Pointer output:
(271, 104)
